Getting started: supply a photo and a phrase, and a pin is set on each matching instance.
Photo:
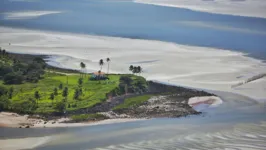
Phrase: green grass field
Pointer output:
(133, 101)
(93, 91)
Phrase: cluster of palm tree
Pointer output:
(101, 63)
(135, 69)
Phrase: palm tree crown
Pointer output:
(101, 63)
(131, 68)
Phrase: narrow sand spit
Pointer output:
(249, 8)
(190, 66)
(27, 14)
(212, 101)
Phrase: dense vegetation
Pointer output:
(13, 71)
(27, 86)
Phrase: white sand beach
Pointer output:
(197, 67)
(249, 8)
(9, 119)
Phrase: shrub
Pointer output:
(60, 106)
(13, 78)
(5, 70)
(24, 106)
(4, 103)
(125, 79)
(3, 91)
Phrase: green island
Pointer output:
(28, 85)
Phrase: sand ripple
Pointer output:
(242, 137)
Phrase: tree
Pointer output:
(3, 91)
(108, 61)
(10, 92)
(76, 94)
(101, 63)
(33, 102)
(131, 67)
(82, 66)
(60, 106)
(5, 70)
(4, 103)
(51, 97)
(60, 86)
(135, 70)
(55, 91)
(125, 80)
(65, 93)
(80, 81)
(3, 52)
(37, 95)
(139, 69)
(80, 91)
(13, 78)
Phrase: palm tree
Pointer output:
(65, 93)
(76, 94)
(135, 70)
(37, 96)
(108, 61)
(82, 66)
(139, 69)
(52, 97)
(131, 67)
(84, 69)
(101, 63)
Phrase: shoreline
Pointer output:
(14, 120)
(9, 119)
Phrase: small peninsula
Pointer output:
(39, 95)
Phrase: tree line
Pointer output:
(12, 71)
(135, 69)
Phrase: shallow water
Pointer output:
(239, 123)
(132, 20)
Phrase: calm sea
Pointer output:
(131, 20)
